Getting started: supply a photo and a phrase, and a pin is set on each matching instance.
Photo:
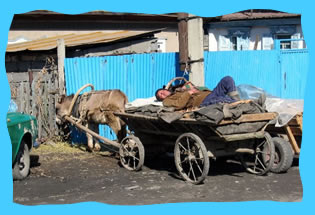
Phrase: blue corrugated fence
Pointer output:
(137, 75)
(280, 72)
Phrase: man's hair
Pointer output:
(157, 96)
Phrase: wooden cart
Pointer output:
(194, 142)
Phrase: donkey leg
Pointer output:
(89, 139)
(114, 124)
(122, 133)
(95, 128)
(93, 143)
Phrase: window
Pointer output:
(224, 43)
(284, 44)
(161, 45)
(236, 39)
(234, 42)
(286, 32)
(239, 38)
(267, 42)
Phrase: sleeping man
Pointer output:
(189, 96)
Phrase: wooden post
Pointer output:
(61, 53)
(190, 30)
(183, 40)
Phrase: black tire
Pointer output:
(131, 153)
(21, 166)
(191, 158)
(261, 161)
(283, 155)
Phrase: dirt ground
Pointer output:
(61, 174)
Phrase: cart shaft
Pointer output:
(80, 126)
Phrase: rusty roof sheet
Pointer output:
(77, 40)
(95, 12)
(256, 14)
(241, 15)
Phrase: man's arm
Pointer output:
(174, 79)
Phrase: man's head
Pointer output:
(161, 94)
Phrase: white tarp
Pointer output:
(143, 101)
(287, 108)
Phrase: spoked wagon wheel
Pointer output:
(131, 153)
(191, 158)
(262, 158)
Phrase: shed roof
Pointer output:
(241, 15)
(77, 40)
(254, 14)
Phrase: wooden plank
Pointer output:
(244, 118)
(17, 77)
(56, 96)
(257, 117)
(299, 120)
(281, 130)
(45, 100)
(34, 97)
(21, 98)
(292, 140)
(61, 53)
(27, 98)
(39, 116)
(235, 137)
(51, 106)
(296, 131)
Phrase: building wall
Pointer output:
(256, 31)
(214, 38)
(171, 40)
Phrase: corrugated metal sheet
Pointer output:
(76, 40)
(294, 70)
(280, 73)
(138, 75)
(257, 14)
(170, 17)
(36, 13)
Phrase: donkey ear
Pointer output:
(61, 98)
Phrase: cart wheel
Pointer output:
(131, 153)
(261, 161)
(283, 155)
(191, 158)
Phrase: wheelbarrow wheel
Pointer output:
(262, 158)
(131, 153)
(191, 158)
